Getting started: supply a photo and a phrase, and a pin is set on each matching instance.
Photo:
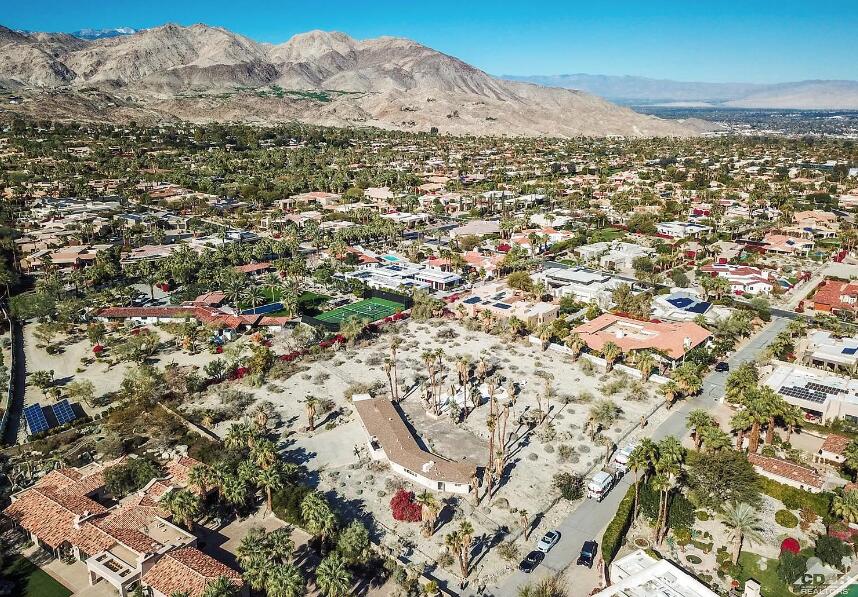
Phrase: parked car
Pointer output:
(548, 541)
(588, 554)
(531, 561)
(722, 366)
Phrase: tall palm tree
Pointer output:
(333, 577)
(200, 476)
(670, 391)
(792, 417)
(311, 403)
(220, 587)
(745, 524)
(429, 509)
(645, 364)
(641, 461)
(270, 479)
(285, 580)
(741, 423)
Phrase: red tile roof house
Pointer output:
(391, 440)
(177, 314)
(835, 295)
(788, 473)
(670, 340)
(832, 450)
(120, 545)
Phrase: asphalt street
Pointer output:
(591, 517)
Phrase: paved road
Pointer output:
(591, 517)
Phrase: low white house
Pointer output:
(390, 439)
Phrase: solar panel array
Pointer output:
(63, 412)
(804, 394)
(823, 388)
(36, 421)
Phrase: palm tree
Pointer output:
(641, 461)
(741, 423)
(200, 476)
(235, 491)
(715, 439)
(792, 417)
(285, 580)
(744, 523)
(670, 390)
(311, 403)
(184, 506)
(253, 296)
(238, 436)
(429, 509)
(351, 329)
(333, 577)
(270, 479)
(698, 421)
(775, 407)
(645, 364)
(610, 352)
(575, 344)
(318, 517)
(220, 587)
(845, 506)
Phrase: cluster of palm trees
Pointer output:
(662, 462)
(685, 380)
(661, 466)
(262, 469)
(760, 407)
(459, 543)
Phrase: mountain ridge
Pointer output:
(822, 94)
(204, 73)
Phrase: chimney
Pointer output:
(686, 343)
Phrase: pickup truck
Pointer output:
(602, 482)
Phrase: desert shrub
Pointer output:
(508, 551)
(404, 508)
(571, 486)
(786, 519)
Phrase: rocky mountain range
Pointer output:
(202, 73)
(802, 95)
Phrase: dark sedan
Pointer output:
(529, 563)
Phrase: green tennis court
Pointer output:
(371, 309)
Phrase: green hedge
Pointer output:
(818, 502)
(615, 534)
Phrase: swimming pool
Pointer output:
(391, 258)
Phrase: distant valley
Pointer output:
(630, 90)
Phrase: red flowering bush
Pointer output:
(404, 507)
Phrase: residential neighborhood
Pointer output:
(307, 360)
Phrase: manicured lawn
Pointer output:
(768, 578)
(606, 235)
(30, 581)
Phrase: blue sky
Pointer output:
(719, 40)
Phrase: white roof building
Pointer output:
(681, 229)
(819, 393)
(581, 283)
(641, 575)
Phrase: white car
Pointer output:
(548, 541)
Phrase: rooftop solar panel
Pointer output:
(36, 421)
(64, 412)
